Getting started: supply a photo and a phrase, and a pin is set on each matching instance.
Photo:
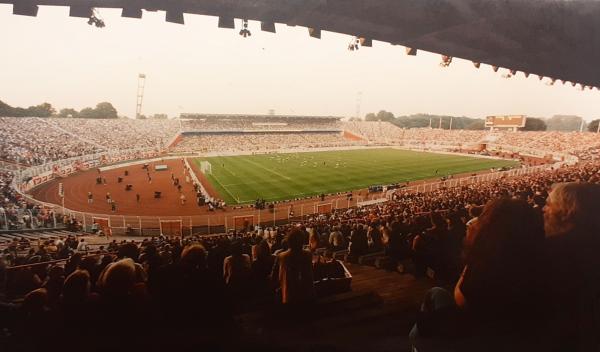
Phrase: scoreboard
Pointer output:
(505, 122)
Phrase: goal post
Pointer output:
(324, 208)
(171, 227)
(206, 167)
(103, 224)
(243, 222)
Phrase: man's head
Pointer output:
(118, 278)
(295, 239)
(194, 256)
(572, 207)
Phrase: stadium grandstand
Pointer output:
(232, 232)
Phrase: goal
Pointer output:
(103, 224)
(206, 167)
(244, 222)
(171, 228)
(324, 208)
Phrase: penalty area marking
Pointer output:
(226, 190)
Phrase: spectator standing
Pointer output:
(293, 271)
(82, 247)
(572, 227)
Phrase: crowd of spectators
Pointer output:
(431, 136)
(554, 141)
(129, 287)
(240, 142)
(528, 278)
(17, 213)
(259, 123)
(591, 153)
(32, 141)
(375, 131)
(122, 133)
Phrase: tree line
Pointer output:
(428, 120)
(555, 123)
(104, 110)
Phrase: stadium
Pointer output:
(304, 232)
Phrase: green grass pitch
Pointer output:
(243, 179)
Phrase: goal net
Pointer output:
(171, 228)
(324, 208)
(244, 222)
(103, 224)
(206, 167)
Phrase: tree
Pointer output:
(593, 126)
(106, 110)
(68, 112)
(370, 117)
(564, 123)
(534, 124)
(103, 110)
(478, 124)
(5, 109)
(42, 110)
(87, 113)
(383, 115)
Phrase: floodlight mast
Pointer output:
(140, 95)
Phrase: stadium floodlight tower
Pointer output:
(140, 95)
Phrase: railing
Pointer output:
(33, 223)
(56, 261)
(487, 177)
(218, 222)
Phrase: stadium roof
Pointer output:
(559, 39)
(254, 116)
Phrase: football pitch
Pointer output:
(243, 179)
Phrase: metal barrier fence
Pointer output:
(26, 219)
(219, 221)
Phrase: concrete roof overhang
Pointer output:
(559, 39)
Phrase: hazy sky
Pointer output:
(200, 68)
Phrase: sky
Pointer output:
(200, 68)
